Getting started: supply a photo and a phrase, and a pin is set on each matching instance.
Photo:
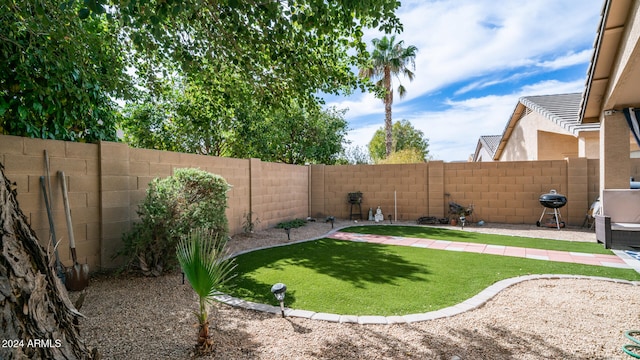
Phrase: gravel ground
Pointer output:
(152, 318)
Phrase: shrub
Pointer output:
(292, 224)
(189, 199)
(248, 225)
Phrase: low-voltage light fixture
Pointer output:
(279, 291)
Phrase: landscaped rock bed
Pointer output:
(152, 318)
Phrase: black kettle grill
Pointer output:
(552, 201)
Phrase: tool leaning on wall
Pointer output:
(77, 276)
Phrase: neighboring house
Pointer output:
(544, 127)
(594, 124)
(486, 148)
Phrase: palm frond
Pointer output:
(201, 257)
(402, 91)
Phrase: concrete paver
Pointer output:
(538, 254)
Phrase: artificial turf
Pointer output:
(435, 233)
(355, 278)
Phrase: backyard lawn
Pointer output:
(435, 233)
(356, 278)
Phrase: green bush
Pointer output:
(292, 224)
(189, 199)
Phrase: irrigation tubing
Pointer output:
(632, 350)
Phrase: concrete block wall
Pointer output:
(593, 179)
(505, 192)
(115, 199)
(24, 163)
(279, 192)
(500, 192)
(107, 182)
(399, 190)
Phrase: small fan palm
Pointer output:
(201, 257)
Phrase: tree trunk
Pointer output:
(37, 319)
(388, 101)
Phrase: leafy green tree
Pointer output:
(59, 73)
(354, 155)
(404, 137)
(283, 49)
(148, 125)
(64, 63)
(192, 115)
(406, 156)
(292, 135)
(201, 255)
(197, 121)
(390, 58)
(251, 55)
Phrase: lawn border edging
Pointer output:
(472, 303)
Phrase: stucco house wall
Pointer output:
(536, 138)
(589, 144)
(554, 146)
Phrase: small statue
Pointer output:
(370, 214)
(379, 217)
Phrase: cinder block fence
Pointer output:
(107, 181)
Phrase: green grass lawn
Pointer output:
(357, 278)
(426, 232)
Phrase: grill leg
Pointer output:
(544, 212)
(556, 216)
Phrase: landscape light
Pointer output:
(279, 291)
(331, 219)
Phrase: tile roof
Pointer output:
(491, 142)
(562, 109)
(488, 142)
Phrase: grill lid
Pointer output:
(553, 200)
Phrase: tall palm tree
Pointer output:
(390, 58)
(201, 257)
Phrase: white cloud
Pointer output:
(484, 83)
(454, 132)
(464, 39)
(362, 105)
(567, 60)
(479, 45)
(550, 87)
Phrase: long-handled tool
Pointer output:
(52, 230)
(77, 277)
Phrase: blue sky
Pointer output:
(475, 59)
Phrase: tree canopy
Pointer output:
(59, 74)
(354, 155)
(405, 137)
(282, 48)
(207, 63)
(293, 134)
(188, 114)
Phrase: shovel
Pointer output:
(59, 268)
(77, 277)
